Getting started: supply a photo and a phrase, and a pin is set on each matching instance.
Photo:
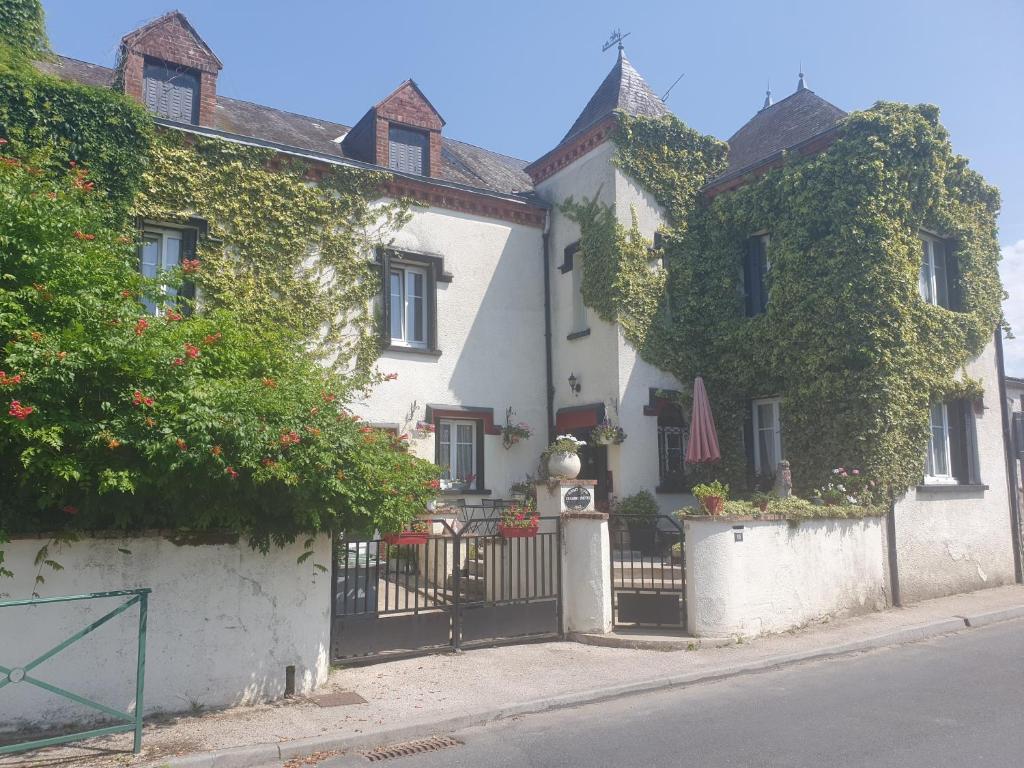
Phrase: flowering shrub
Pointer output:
(607, 433)
(513, 433)
(849, 487)
(519, 516)
(134, 421)
(564, 444)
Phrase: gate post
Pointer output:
(585, 555)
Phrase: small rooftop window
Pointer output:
(408, 150)
(171, 92)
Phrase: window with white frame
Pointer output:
(767, 429)
(934, 277)
(408, 305)
(457, 454)
(161, 250)
(938, 463)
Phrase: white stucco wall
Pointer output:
(224, 622)
(490, 331)
(949, 540)
(780, 576)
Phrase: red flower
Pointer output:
(191, 351)
(140, 399)
(211, 338)
(366, 430)
(70, 509)
(269, 383)
(181, 444)
(171, 316)
(267, 462)
(126, 294)
(19, 411)
(141, 326)
(177, 361)
(10, 381)
(231, 471)
(216, 450)
(2, 142)
(190, 266)
(84, 236)
(290, 438)
(329, 397)
(124, 239)
(434, 483)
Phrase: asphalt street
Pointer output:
(957, 701)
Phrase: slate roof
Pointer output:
(624, 88)
(785, 124)
(463, 163)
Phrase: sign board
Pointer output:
(577, 498)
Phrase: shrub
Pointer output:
(640, 508)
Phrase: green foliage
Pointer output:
(266, 222)
(113, 419)
(714, 488)
(563, 444)
(22, 26)
(640, 507)
(793, 509)
(848, 343)
(97, 128)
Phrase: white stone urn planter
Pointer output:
(565, 465)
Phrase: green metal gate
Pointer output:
(21, 674)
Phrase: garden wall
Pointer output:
(751, 577)
(224, 622)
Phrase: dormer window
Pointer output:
(408, 150)
(171, 92)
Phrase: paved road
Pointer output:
(953, 701)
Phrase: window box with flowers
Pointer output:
(519, 522)
(417, 533)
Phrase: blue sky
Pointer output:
(512, 77)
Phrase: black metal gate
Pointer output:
(648, 571)
(461, 585)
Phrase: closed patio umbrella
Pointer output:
(703, 445)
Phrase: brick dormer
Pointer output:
(402, 132)
(168, 67)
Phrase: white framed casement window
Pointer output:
(938, 461)
(161, 250)
(408, 305)
(456, 454)
(767, 428)
(934, 277)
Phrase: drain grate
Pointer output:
(411, 748)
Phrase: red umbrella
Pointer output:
(703, 445)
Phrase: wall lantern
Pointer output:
(574, 384)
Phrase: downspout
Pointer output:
(549, 370)
(1011, 462)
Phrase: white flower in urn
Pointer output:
(563, 456)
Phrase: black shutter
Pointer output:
(384, 259)
(188, 251)
(762, 274)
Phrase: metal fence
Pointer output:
(15, 675)
(462, 583)
(648, 571)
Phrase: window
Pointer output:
(408, 150)
(755, 275)
(408, 305)
(952, 454)
(935, 269)
(171, 92)
(767, 434)
(457, 448)
(163, 249)
(673, 436)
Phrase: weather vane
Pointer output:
(615, 38)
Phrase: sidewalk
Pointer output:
(416, 697)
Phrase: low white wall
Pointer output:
(780, 576)
(224, 622)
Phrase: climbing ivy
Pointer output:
(847, 341)
(280, 250)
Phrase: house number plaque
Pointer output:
(577, 498)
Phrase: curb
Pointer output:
(272, 754)
(642, 643)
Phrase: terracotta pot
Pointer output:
(405, 537)
(713, 504)
(510, 532)
(565, 465)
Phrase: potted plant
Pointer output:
(562, 457)
(761, 500)
(607, 433)
(711, 496)
(417, 533)
(519, 521)
(640, 514)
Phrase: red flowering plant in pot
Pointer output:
(711, 496)
(417, 532)
(519, 521)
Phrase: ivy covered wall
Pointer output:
(846, 341)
